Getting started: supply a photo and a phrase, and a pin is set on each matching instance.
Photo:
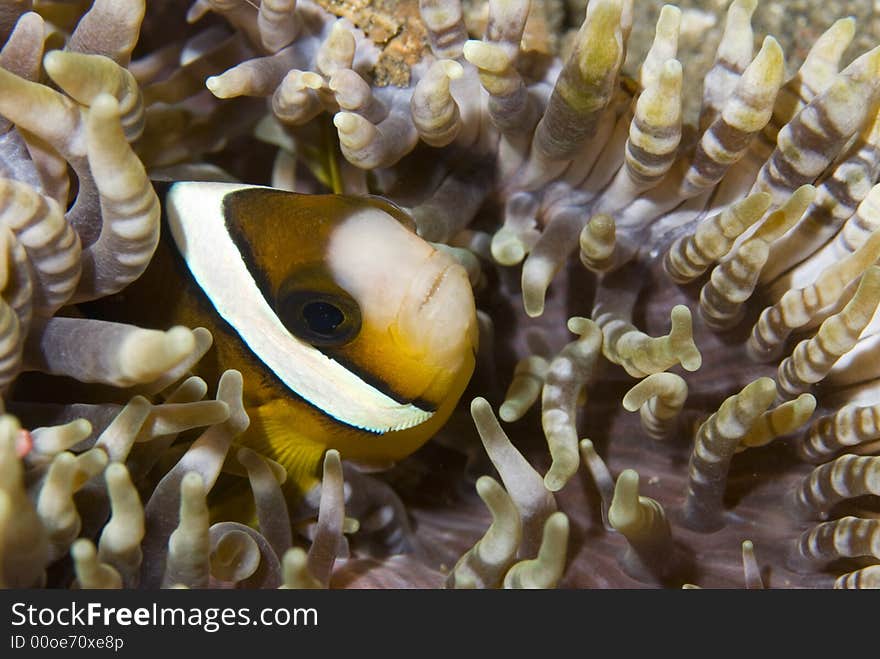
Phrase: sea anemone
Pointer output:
(720, 279)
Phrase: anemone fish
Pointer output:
(351, 331)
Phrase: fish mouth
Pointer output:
(435, 286)
(437, 312)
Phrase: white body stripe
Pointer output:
(195, 214)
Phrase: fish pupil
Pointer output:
(322, 317)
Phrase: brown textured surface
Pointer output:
(396, 27)
(393, 25)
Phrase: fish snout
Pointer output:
(438, 313)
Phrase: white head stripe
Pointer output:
(195, 215)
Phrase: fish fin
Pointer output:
(273, 433)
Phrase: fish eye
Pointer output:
(321, 318)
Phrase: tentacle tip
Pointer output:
(215, 85)
(765, 385)
(471, 49)
(691, 359)
(508, 412)
(181, 339)
(846, 26)
(485, 486)
(115, 472)
(625, 500)
(581, 326)
(807, 403)
(559, 474)
(54, 62)
(345, 122)
(534, 311)
(770, 46)
(231, 378)
(452, 69)
(558, 523)
(295, 557)
(748, 6)
(681, 316)
(533, 300)
(82, 428)
(553, 483)
(480, 405)
(350, 525)
(670, 13)
(332, 459)
(507, 249)
(82, 550)
(104, 107)
(803, 195)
